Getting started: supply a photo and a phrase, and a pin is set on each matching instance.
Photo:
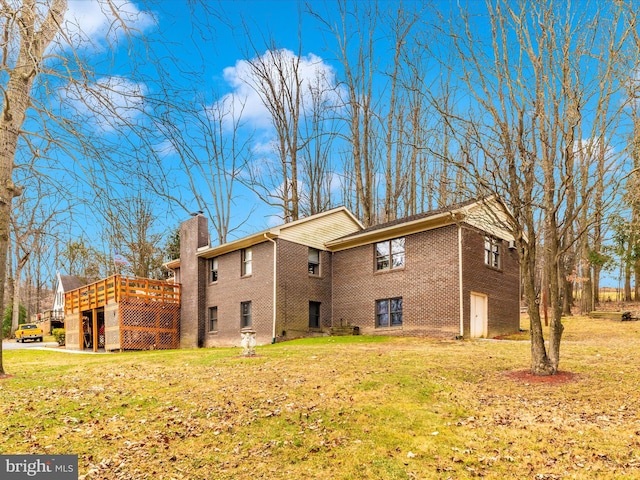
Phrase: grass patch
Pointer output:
(342, 407)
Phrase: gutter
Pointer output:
(415, 226)
(275, 277)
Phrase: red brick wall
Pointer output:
(428, 285)
(231, 289)
(296, 288)
(501, 286)
(348, 288)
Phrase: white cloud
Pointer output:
(588, 151)
(246, 85)
(110, 102)
(101, 22)
(165, 148)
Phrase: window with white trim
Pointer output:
(213, 270)
(247, 257)
(492, 252)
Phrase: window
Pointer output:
(390, 254)
(314, 314)
(492, 252)
(246, 261)
(213, 319)
(314, 261)
(389, 312)
(213, 269)
(245, 314)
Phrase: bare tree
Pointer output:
(319, 128)
(28, 32)
(530, 88)
(356, 53)
(213, 149)
(396, 179)
(58, 108)
(277, 78)
(633, 188)
(80, 259)
(33, 220)
(133, 237)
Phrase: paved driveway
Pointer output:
(13, 345)
(50, 346)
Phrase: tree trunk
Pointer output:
(627, 282)
(33, 43)
(636, 274)
(15, 313)
(540, 364)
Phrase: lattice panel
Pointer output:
(149, 326)
(113, 338)
(72, 333)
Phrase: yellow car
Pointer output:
(28, 331)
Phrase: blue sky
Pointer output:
(195, 50)
(224, 36)
(215, 47)
(180, 45)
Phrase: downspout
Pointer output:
(461, 292)
(332, 275)
(275, 277)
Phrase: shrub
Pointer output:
(59, 335)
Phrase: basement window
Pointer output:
(213, 319)
(389, 312)
(245, 314)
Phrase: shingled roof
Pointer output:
(412, 218)
(69, 282)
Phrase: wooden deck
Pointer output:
(118, 288)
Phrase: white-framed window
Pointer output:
(247, 257)
(245, 314)
(389, 312)
(213, 270)
(213, 319)
(492, 252)
(314, 261)
(390, 254)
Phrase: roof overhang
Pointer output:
(285, 226)
(270, 234)
(245, 242)
(400, 230)
(172, 264)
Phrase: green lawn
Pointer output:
(341, 408)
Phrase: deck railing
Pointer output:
(119, 288)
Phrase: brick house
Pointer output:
(447, 273)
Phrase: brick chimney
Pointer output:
(194, 233)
